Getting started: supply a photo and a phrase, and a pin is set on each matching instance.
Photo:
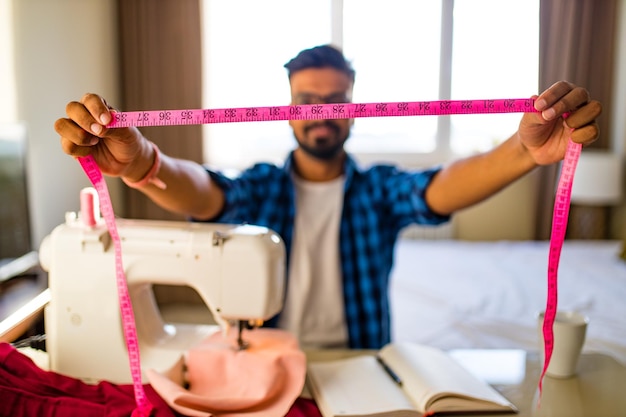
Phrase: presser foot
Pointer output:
(246, 325)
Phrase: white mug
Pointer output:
(569, 330)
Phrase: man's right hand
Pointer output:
(123, 152)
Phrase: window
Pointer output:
(8, 111)
(402, 50)
(495, 55)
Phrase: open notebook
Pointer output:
(404, 379)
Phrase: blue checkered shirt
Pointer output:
(378, 203)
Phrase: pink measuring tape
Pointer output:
(557, 236)
(316, 112)
(319, 111)
(144, 408)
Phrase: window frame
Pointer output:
(442, 152)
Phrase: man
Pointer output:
(339, 222)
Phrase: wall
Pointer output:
(63, 49)
(509, 215)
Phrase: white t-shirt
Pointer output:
(314, 307)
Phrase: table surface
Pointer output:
(598, 389)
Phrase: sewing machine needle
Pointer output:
(242, 344)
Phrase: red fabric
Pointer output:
(28, 391)
(304, 407)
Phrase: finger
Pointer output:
(586, 134)
(82, 117)
(73, 150)
(552, 94)
(72, 132)
(571, 101)
(97, 107)
(560, 98)
(584, 115)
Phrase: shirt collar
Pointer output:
(351, 168)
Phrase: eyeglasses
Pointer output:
(306, 98)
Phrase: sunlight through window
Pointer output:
(396, 47)
(8, 111)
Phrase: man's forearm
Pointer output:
(189, 189)
(471, 180)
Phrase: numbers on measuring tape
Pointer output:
(359, 108)
(165, 116)
(94, 174)
(295, 110)
(319, 111)
(142, 117)
(560, 217)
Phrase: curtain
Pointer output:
(160, 47)
(576, 44)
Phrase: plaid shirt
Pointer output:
(378, 203)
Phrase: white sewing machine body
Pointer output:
(238, 271)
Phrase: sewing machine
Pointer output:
(238, 271)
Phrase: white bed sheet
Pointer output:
(458, 294)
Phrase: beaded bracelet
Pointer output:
(151, 176)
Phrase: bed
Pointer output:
(459, 294)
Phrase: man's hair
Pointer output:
(321, 56)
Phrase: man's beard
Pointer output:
(325, 153)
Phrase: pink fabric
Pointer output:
(263, 380)
(26, 391)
